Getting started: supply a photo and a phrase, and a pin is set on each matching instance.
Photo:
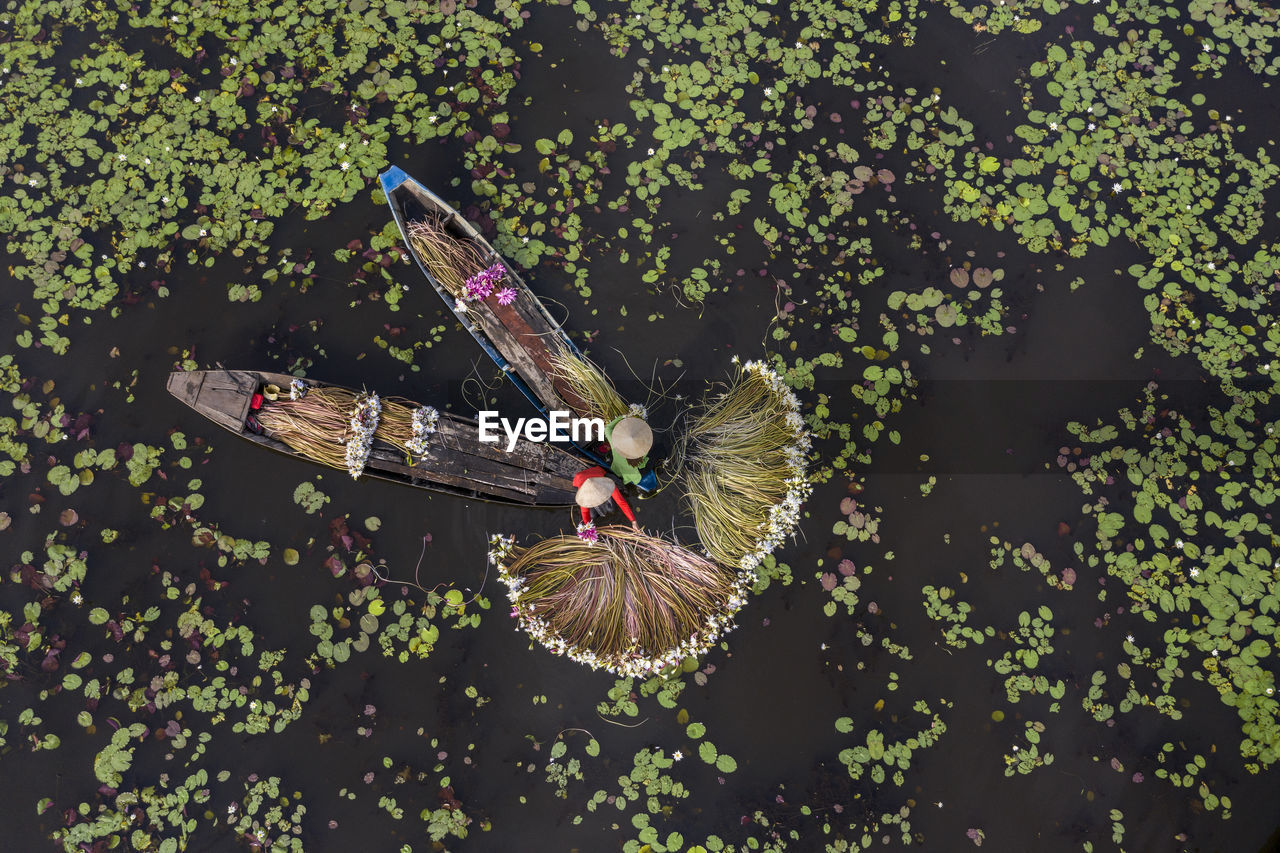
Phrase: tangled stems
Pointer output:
(588, 383)
(318, 425)
(744, 472)
(451, 260)
(630, 603)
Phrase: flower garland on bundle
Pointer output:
(363, 424)
(481, 285)
(630, 603)
(297, 389)
(425, 419)
(745, 476)
(587, 532)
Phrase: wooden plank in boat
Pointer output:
(465, 436)
(448, 470)
(224, 397)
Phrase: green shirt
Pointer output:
(619, 465)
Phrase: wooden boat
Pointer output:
(520, 337)
(457, 463)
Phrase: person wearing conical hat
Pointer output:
(630, 439)
(595, 491)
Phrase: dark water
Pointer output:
(990, 414)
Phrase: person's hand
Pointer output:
(635, 525)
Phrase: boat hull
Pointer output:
(457, 463)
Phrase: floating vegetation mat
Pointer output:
(588, 383)
(629, 603)
(452, 261)
(322, 425)
(744, 468)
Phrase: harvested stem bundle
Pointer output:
(630, 603)
(450, 260)
(589, 383)
(744, 468)
(318, 424)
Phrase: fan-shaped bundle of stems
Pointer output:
(589, 383)
(743, 473)
(451, 260)
(630, 602)
(318, 424)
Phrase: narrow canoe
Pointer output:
(521, 337)
(457, 463)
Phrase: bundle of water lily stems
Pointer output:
(451, 260)
(589, 383)
(744, 468)
(318, 425)
(629, 602)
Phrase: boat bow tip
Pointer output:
(392, 178)
(185, 385)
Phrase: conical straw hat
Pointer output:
(632, 438)
(594, 492)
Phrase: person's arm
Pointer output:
(625, 507)
(586, 515)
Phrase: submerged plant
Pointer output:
(627, 602)
(744, 468)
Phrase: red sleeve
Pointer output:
(623, 505)
(586, 474)
(586, 515)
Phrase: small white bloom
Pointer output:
(650, 152)
(345, 165)
(233, 60)
(77, 598)
(1117, 188)
(31, 182)
(197, 99)
(525, 239)
(1214, 653)
(1195, 573)
(342, 146)
(677, 755)
(164, 199)
(1053, 125)
(123, 158)
(204, 233)
(1211, 265)
(1128, 638)
(123, 87)
(79, 81)
(768, 91)
(142, 264)
(1092, 126)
